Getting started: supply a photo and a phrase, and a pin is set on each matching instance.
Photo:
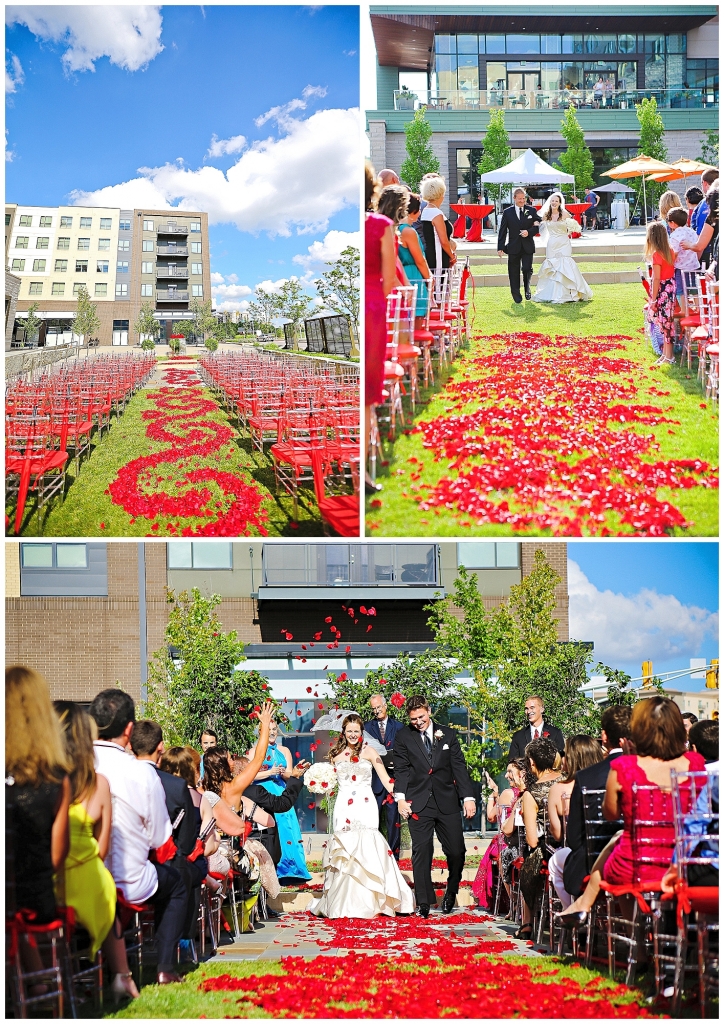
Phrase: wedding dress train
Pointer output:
(559, 279)
(361, 877)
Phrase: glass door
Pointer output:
(522, 88)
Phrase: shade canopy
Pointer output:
(528, 169)
(613, 187)
(681, 168)
(638, 168)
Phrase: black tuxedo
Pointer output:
(392, 728)
(521, 739)
(274, 804)
(520, 250)
(435, 784)
(575, 869)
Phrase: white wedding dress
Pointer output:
(559, 279)
(361, 877)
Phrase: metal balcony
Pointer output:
(556, 99)
(169, 250)
(171, 271)
(171, 295)
(172, 229)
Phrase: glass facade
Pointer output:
(330, 565)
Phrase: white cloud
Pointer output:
(296, 182)
(328, 250)
(647, 625)
(129, 36)
(224, 147)
(217, 278)
(281, 114)
(9, 153)
(14, 74)
(228, 295)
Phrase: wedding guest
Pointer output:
(385, 729)
(499, 848)
(388, 177)
(693, 197)
(662, 298)
(686, 261)
(704, 740)
(437, 229)
(699, 215)
(689, 719)
(707, 246)
(412, 257)
(537, 727)
(87, 884)
(208, 738)
(670, 200)
(179, 762)
(274, 804)
(392, 203)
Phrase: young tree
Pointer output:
(263, 309)
(420, 158)
(193, 680)
(710, 147)
(32, 322)
(339, 286)
(146, 327)
(202, 318)
(292, 303)
(86, 319)
(651, 143)
(577, 159)
(496, 152)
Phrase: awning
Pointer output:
(528, 169)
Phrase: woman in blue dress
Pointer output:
(278, 760)
(412, 257)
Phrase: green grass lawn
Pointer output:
(87, 506)
(585, 266)
(614, 310)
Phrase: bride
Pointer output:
(559, 279)
(361, 877)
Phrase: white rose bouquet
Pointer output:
(321, 778)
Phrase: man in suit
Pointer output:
(570, 870)
(537, 727)
(516, 236)
(431, 781)
(385, 729)
(268, 836)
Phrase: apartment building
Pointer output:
(461, 62)
(123, 258)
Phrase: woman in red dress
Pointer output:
(380, 279)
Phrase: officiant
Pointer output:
(385, 729)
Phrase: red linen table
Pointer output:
(477, 213)
(576, 211)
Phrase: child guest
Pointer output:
(686, 261)
(660, 310)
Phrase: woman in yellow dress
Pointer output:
(87, 885)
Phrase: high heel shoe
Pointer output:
(524, 932)
(123, 987)
(572, 919)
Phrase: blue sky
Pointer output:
(643, 600)
(191, 93)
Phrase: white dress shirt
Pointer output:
(140, 819)
(540, 729)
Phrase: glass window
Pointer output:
(106, 223)
(197, 290)
(85, 222)
(18, 265)
(146, 290)
(46, 222)
(71, 556)
(81, 266)
(147, 245)
(58, 288)
(21, 241)
(124, 244)
(489, 554)
(655, 71)
(627, 44)
(550, 44)
(199, 555)
(84, 243)
(101, 266)
(124, 225)
(495, 44)
(77, 287)
(195, 225)
(197, 268)
(148, 225)
(468, 81)
(64, 243)
(196, 247)
(676, 43)
(571, 44)
(147, 268)
(655, 44)
(8, 218)
(467, 44)
(550, 77)
(26, 221)
(121, 291)
(120, 325)
(675, 70)
(122, 267)
(605, 43)
(444, 44)
(66, 222)
(61, 266)
(104, 244)
(39, 265)
(36, 556)
(36, 288)
(522, 44)
(42, 243)
(101, 289)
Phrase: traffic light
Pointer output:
(712, 675)
(647, 671)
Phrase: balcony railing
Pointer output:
(557, 99)
(170, 250)
(171, 271)
(172, 229)
(171, 295)
(345, 565)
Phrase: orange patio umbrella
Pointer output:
(639, 167)
(683, 169)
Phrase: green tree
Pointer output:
(86, 319)
(193, 680)
(338, 287)
(203, 320)
(651, 143)
(619, 689)
(710, 147)
(292, 303)
(33, 323)
(146, 327)
(577, 159)
(420, 158)
(496, 152)
(263, 309)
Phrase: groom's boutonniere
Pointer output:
(546, 734)
(438, 734)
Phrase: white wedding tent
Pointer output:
(528, 169)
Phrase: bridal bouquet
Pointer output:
(321, 778)
(572, 225)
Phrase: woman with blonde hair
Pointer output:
(670, 200)
(436, 228)
(662, 297)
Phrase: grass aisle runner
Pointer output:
(562, 434)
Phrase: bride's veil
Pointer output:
(545, 208)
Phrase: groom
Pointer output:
(518, 226)
(431, 780)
